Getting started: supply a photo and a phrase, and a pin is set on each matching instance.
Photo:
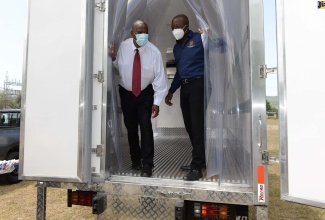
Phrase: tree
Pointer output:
(18, 101)
(9, 101)
(268, 106)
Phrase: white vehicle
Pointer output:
(72, 135)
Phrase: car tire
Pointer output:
(12, 177)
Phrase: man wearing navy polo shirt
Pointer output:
(189, 59)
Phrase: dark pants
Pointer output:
(137, 111)
(192, 105)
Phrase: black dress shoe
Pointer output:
(193, 175)
(136, 166)
(146, 170)
(188, 167)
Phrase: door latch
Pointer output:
(264, 71)
(100, 5)
(98, 150)
(265, 157)
(99, 76)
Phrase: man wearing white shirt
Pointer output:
(142, 88)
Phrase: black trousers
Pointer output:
(137, 111)
(192, 105)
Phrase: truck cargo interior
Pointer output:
(227, 90)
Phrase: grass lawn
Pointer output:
(18, 202)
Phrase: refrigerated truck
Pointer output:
(72, 132)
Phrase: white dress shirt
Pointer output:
(152, 68)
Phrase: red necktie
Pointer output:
(136, 77)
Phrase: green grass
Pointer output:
(279, 209)
(18, 202)
(273, 137)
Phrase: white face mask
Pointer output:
(178, 33)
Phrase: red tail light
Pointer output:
(211, 211)
(98, 200)
(84, 198)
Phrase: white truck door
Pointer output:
(300, 39)
(57, 91)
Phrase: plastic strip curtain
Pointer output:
(116, 22)
(151, 11)
(228, 94)
(122, 15)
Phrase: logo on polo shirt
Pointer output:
(191, 44)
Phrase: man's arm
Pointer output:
(177, 82)
(174, 86)
(159, 84)
(113, 56)
(168, 99)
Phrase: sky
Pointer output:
(13, 29)
(270, 46)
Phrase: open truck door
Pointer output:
(300, 39)
(64, 104)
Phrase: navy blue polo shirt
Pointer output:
(189, 59)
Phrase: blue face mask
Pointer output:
(142, 39)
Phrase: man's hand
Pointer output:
(113, 53)
(168, 99)
(155, 111)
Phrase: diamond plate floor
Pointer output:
(170, 154)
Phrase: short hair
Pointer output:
(182, 16)
(138, 22)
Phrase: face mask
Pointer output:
(178, 33)
(142, 39)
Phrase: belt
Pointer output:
(185, 81)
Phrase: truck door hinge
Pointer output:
(99, 76)
(264, 71)
(98, 150)
(265, 157)
(100, 5)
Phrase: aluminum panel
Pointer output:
(258, 92)
(157, 200)
(178, 189)
(139, 207)
(136, 198)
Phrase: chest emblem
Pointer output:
(191, 44)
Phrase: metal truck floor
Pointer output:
(170, 154)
